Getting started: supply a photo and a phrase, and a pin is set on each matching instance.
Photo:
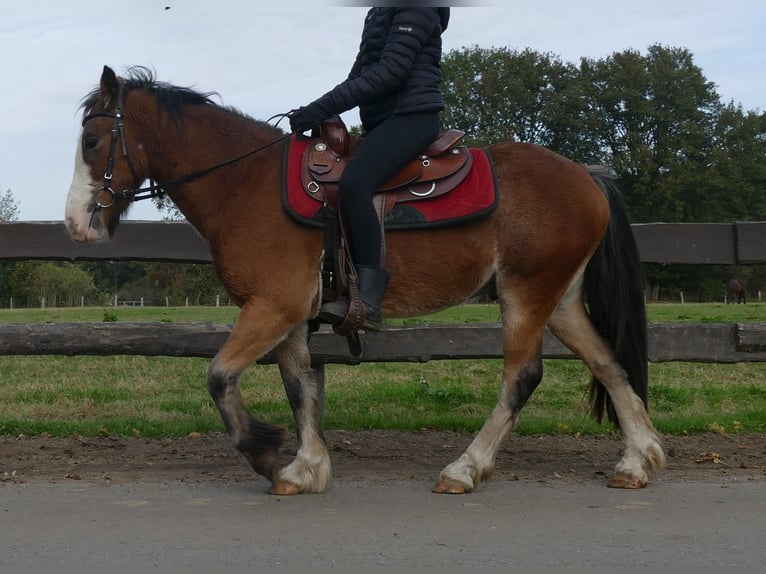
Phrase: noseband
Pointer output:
(106, 196)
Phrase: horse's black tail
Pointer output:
(614, 293)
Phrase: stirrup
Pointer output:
(334, 312)
(360, 316)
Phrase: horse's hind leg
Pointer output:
(643, 450)
(258, 329)
(310, 470)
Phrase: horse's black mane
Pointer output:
(169, 97)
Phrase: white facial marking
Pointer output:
(79, 201)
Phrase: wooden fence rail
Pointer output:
(693, 342)
(739, 243)
(708, 243)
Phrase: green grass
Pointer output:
(656, 313)
(228, 314)
(706, 313)
(124, 314)
(164, 396)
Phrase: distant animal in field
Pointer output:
(735, 289)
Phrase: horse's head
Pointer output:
(106, 162)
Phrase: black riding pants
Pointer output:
(383, 151)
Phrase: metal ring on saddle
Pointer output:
(422, 193)
(312, 187)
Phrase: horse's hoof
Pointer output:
(284, 488)
(451, 486)
(626, 481)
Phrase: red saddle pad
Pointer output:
(475, 196)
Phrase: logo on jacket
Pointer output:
(405, 28)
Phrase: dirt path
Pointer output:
(371, 456)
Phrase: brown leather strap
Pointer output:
(356, 312)
(379, 202)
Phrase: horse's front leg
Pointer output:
(258, 329)
(310, 470)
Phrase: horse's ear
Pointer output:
(109, 85)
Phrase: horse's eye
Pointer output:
(89, 143)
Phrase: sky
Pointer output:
(264, 58)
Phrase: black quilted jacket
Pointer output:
(397, 69)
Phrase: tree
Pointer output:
(111, 276)
(680, 154)
(497, 95)
(180, 282)
(165, 205)
(735, 175)
(9, 209)
(57, 284)
(653, 116)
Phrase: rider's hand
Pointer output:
(303, 119)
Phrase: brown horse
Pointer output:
(558, 239)
(735, 291)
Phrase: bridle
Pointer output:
(106, 196)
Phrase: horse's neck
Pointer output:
(208, 137)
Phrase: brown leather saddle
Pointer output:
(436, 171)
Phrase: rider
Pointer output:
(395, 82)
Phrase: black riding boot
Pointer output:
(373, 282)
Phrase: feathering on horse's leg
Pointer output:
(256, 331)
(310, 470)
(522, 372)
(258, 441)
(643, 448)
